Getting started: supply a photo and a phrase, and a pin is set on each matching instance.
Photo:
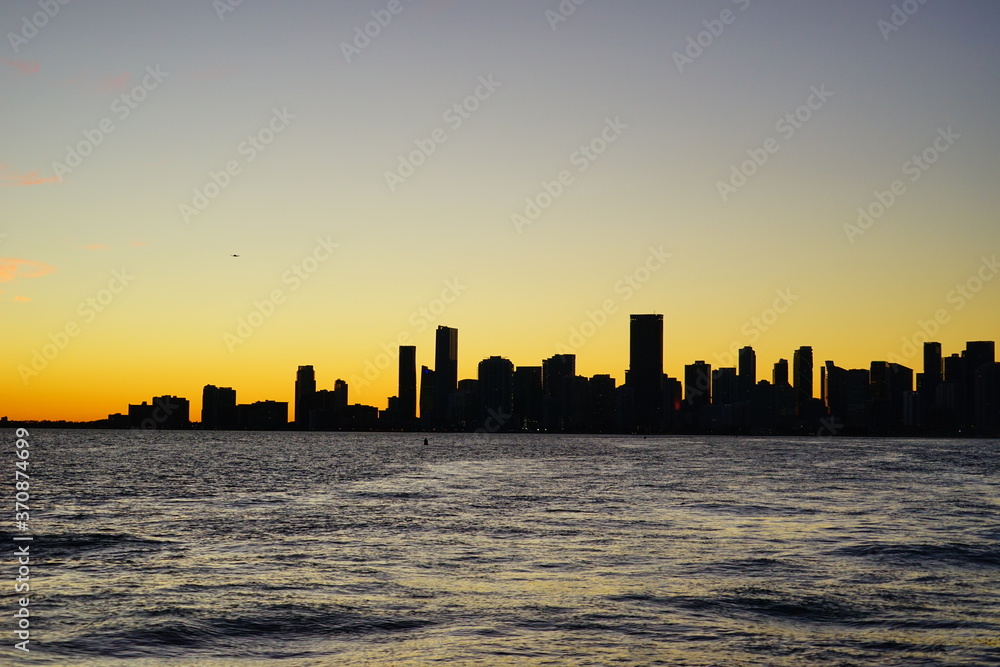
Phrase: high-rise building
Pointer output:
(645, 374)
(747, 373)
(427, 395)
(407, 396)
(976, 354)
(445, 372)
(802, 378)
(558, 389)
(496, 394)
(528, 397)
(218, 407)
(725, 386)
(779, 377)
(697, 384)
(305, 391)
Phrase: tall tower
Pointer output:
(802, 377)
(407, 383)
(305, 392)
(445, 372)
(645, 373)
(747, 378)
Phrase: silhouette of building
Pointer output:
(406, 407)
(262, 416)
(427, 397)
(218, 407)
(747, 373)
(697, 384)
(445, 373)
(987, 407)
(305, 392)
(528, 398)
(780, 374)
(496, 394)
(976, 354)
(163, 413)
(645, 373)
(802, 378)
(558, 387)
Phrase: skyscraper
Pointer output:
(445, 372)
(305, 391)
(496, 394)
(697, 384)
(780, 375)
(218, 407)
(747, 378)
(802, 378)
(645, 374)
(407, 384)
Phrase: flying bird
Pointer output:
(235, 255)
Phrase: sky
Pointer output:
(768, 173)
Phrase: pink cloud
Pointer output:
(96, 246)
(114, 83)
(15, 269)
(12, 179)
(22, 299)
(138, 244)
(23, 66)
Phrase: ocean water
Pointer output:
(166, 548)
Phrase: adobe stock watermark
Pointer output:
(363, 35)
(699, 43)
(454, 116)
(957, 298)
(787, 126)
(624, 289)
(87, 311)
(419, 320)
(121, 108)
(294, 278)
(899, 17)
(223, 7)
(758, 325)
(562, 13)
(585, 155)
(30, 26)
(248, 150)
(914, 168)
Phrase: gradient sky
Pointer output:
(163, 327)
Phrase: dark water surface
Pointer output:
(192, 548)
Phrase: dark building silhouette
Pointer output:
(406, 407)
(725, 386)
(496, 394)
(601, 405)
(445, 373)
(557, 387)
(428, 394)
(645, 373)
(802, 378)
(747, 372)
(305, 392)
(218, 407)
(697, 384)
(528, 398)
(976, 354)
(780, 374)
(163, 413)
(987, 407)
(262, 416)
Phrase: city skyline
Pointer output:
(957, 394)
(313, 182)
